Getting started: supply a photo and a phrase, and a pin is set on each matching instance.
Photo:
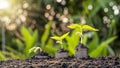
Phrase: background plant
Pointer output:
(27, 40)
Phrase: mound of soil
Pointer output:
(41, 55)
(101, 62)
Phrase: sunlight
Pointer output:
(4, 4)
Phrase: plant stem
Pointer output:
(81, 40)
(40, 49)
(81, 37)
(61, 44)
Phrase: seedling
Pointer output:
(81, 50)
(61, 53)
(35, 49)
(81, 28)
(39, 53)
(59, 39)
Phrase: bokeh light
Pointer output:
(4, 4)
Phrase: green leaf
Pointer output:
(60, 38)
(72, 41)
(32, 40)
(85, 39)
(20, 44)
(26, 35)
(82, 27)
(34, 37)
(14, 53)
(104, 51)
(94, 43)
(46, 34)
(11, 55)
(2, 57)
(56, 38)
(34, 49)
(98, 51)
(29, 39)
(50, 48)
(11, 50)
(87, 27)
(64, 35)
(73, 26)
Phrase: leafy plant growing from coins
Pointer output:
(81, 28)
(59, 39)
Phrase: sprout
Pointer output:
(59, 39)
(81, 28)
(34, 49)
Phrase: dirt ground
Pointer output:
(101, 62)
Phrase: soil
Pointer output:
(41, 55)
(71, 62)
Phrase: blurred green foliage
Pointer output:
(27, 41)
(29, 38)
(45, 35)
(102, 49)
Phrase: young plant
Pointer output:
(59, 39)
(35, 49)
(81, 28)
(39, 53)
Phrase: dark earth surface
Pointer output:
(71, 62)
(42, 53)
